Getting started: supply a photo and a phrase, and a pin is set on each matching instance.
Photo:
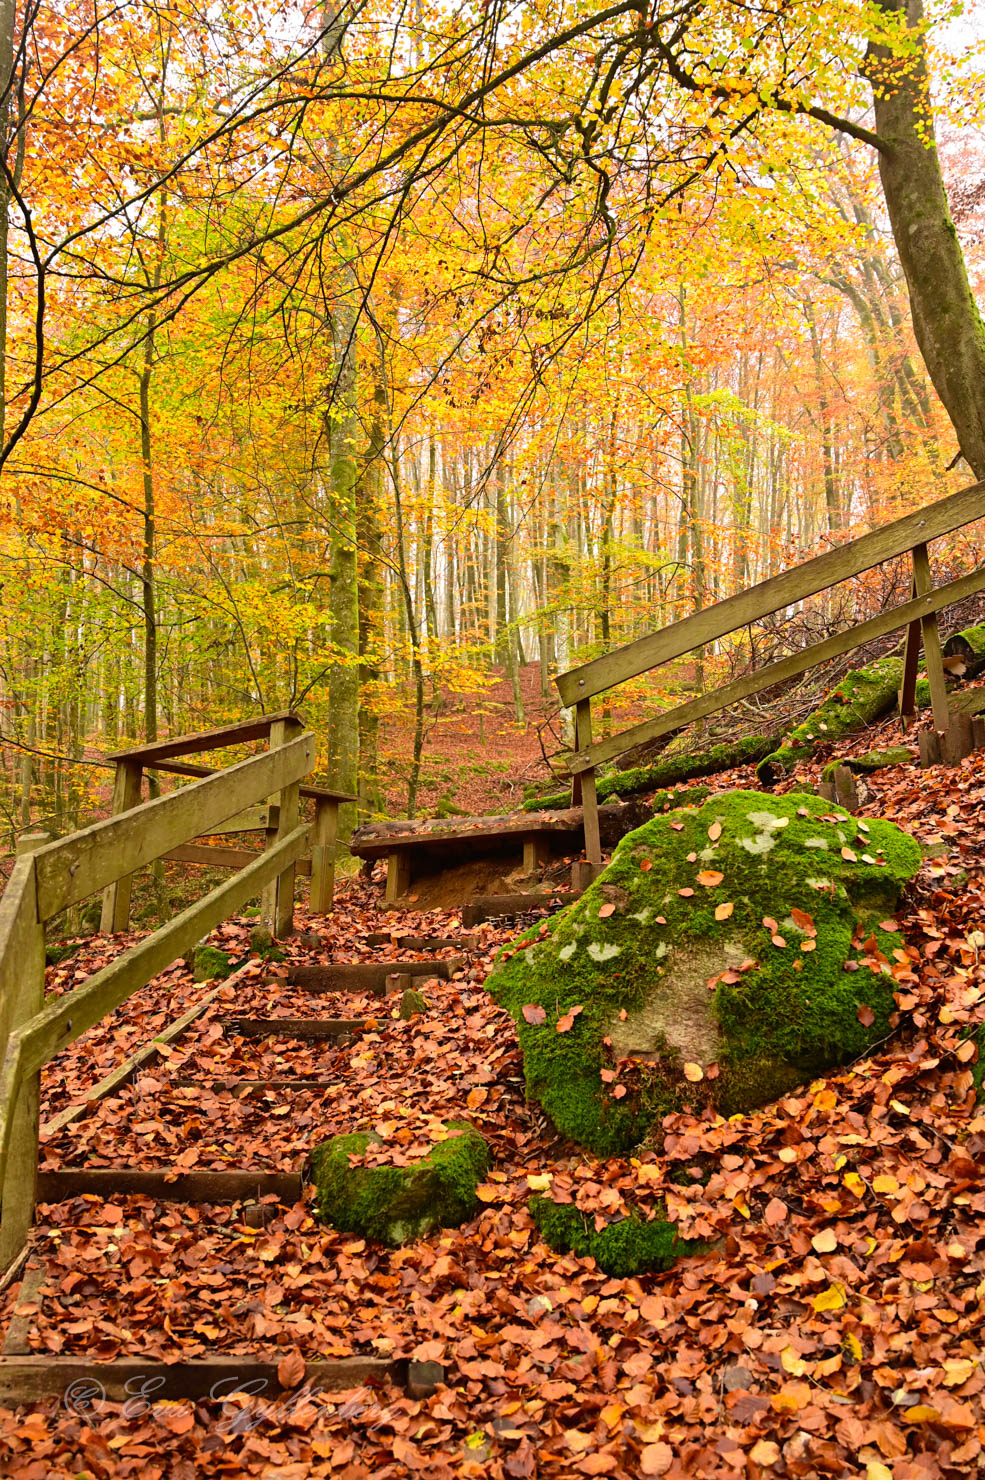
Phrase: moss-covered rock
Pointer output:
(668, 772)
(398, 1204)
(863, 696)
(210, 964)
(724, 956)
(54, 955)
(623, 1248)
(412, 1003)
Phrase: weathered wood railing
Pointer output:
(163, 756)
(909, 535)
(56, 875)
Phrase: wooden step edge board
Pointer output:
(28, 1379)
(423, 942)
(251, 1086)
(164, 1185)
(489, 906)
(16, 1343)
(131, 1066)
(368, 975)
(261, 1027)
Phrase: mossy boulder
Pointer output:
(728, 953)
(623, 1248)
(399, 1204)
(210, 964)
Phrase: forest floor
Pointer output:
(836, 1329)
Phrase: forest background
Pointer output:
(359, 360)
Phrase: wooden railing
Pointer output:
(56, 875)
(163, 756)
(909, 535)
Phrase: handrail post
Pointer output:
(589, 799)
(323, 841)
(277, 906)
(21, 996)
(930, 633)
(116, 897)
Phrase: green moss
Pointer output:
(398, 1204)
(772, 1025)
(862, 696)
(55, 954)
(625, 1247)
(968, 643)
(667, 772)
(872, 760)
(411, 1003)
(262, 944)
(210, 964)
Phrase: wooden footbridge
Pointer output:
(263, 795)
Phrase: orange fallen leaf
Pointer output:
(725, 910)
(709, 878)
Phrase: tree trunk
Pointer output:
(946, 320)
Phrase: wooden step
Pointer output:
(86, 1384)
(270, 1027)
(491, 906)
(423, 942)
(166, 1185)
(368, 976)
(251, 1086)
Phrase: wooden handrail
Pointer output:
(85, 862)
(777, 672)
(235, 734)
(190, 768)
(54, 876)
(801, 581)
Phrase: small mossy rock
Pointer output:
(210, 964)
(412, 1003)
(54, 955)
(397, 1205)
(663, 987)
(624, 1248)
(862, 696)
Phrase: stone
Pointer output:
(261, 940)
(411, 1003)
(210, 964)
(728, 953)
(398, 1204)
